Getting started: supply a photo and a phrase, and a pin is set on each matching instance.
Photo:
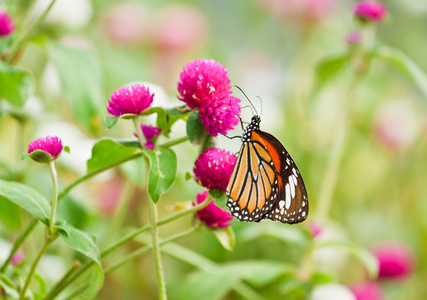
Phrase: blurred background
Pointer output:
(86, 49)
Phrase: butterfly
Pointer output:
(265, 183)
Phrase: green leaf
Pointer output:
(81, 77)
(27, 198)
(8, 287)
(162, 171)
(9, 214)
(287, 234)
(111, 121)
(83, 243)
(16, 84)
(225, 236)
(220, 198)
(107, 153)
(405, 64)
(362, 254)
(215, 284)
(197, 133)
(327, 70)
(40, 156)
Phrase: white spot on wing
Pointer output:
(288, 196)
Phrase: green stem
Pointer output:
(331, 173)
(21, 238)
(154, 228)
(48, 240)
(174, 142)
(96, 172)
(29, 34)
(131, 256)
(156, 250)
(335, 155)
(55, 193)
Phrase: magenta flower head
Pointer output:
(220, 114)
(315, 229)
(213, 168)
(370, 10)
(45, 149)
(367, 290)
(150, 133)
(353, 38)
(200, 79)
(6, 24)
(212, 215)
(395, 260)
(16, 259)
(133, 99)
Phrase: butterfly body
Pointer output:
(265, 183)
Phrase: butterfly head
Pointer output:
(253, 125)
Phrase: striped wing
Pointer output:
(266, 183)
(291, 205)
(252, 190)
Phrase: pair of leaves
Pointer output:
(165, 117)
(34, 203)
(163, 163)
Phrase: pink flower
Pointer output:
(132, 99)
(200, 79)
(367, 290)
(315, 228)
(51, 145)
(212, 215)
(220, 114)
(213, 168)
(6, 24)
(353, 38)
(150, 133)
(370, 10)
(16, 259)
(395, 260)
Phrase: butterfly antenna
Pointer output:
(237, 115)
(252, 106)
(260, 102)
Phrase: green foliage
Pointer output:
(107, 153)
(16, 85)
(162, 171)
(27, 198)
(81, 79)
(83, 243)
(197, 133)
(214, 284)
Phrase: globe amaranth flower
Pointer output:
(150, 133)
(50, 145)
(212, 215)
(370, 10)
(16, 259)
(367, 290)
(133, 99)
(6, 24)
(315, 229)
(213, 168)
(221, 114)
(353, 38)
(395, 260)
(200, 79)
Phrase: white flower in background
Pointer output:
(330, 258)
(396, 125)
(68, 13)
(331, 291)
